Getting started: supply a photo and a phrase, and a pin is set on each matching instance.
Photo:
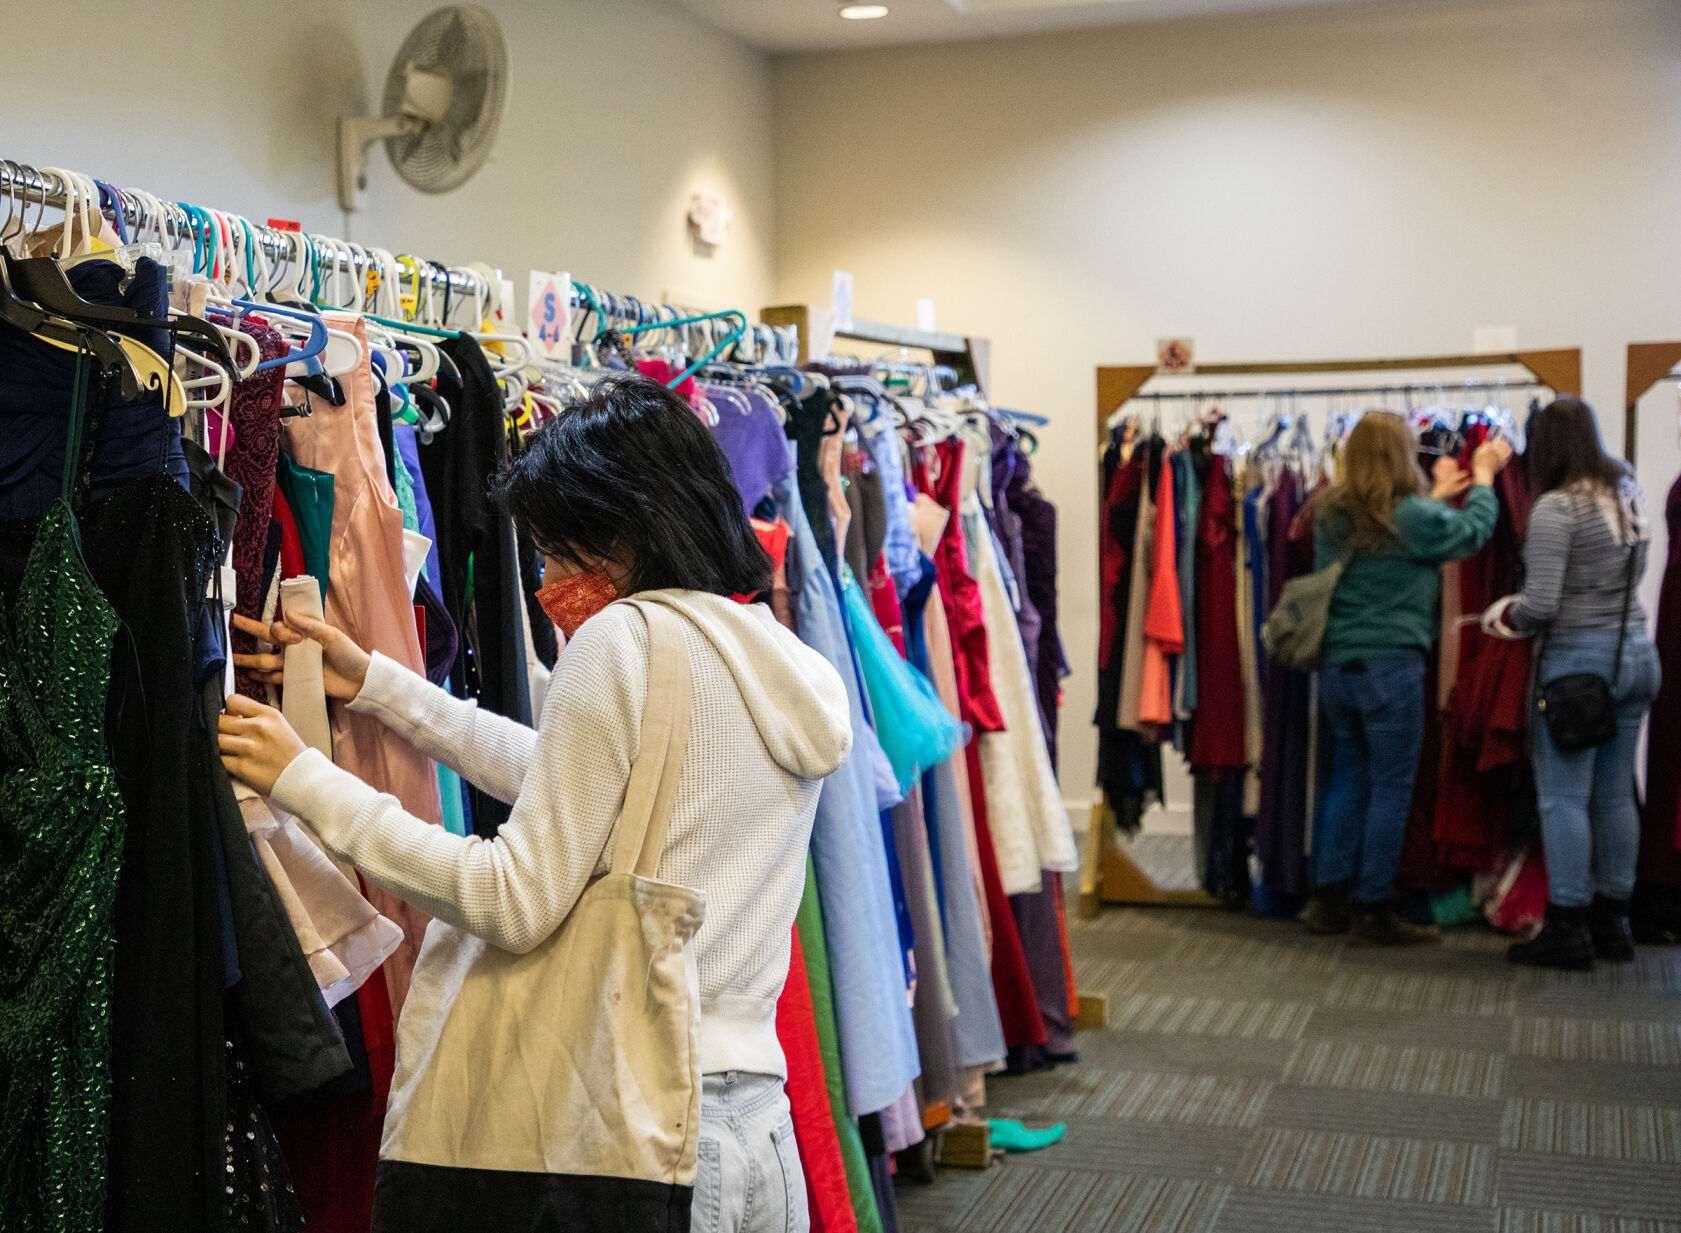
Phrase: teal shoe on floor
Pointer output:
(1014, 1137)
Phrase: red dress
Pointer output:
(827, 1196)
(958, 590)
(1660, 831)
(1217, 741)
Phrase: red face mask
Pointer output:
(571, 601)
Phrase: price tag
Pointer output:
(549, 316)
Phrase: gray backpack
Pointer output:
(1294, 632)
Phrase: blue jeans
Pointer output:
(1590, 827)
(1375, 711)
(747, 1165)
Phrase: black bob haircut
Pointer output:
(632, 475)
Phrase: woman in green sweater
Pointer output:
(1394, 532)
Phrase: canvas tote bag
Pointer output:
(1293, 634)
(560, 1089)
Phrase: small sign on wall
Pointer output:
(549, 315)
(925, 316)
(709, 218)
(1175, 355)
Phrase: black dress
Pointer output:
(476, 552)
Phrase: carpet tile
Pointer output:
(1254, 1079)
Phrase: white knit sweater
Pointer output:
(770, 720)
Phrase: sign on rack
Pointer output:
(1175, 355)
(549, 317)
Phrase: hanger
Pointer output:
(31, 318)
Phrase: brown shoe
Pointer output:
(1327, 909)
(1376, 924)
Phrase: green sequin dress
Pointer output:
(61, 843)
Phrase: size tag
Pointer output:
(284, 224)
(549, 314)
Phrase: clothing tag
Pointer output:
(415, 548)
(548, 320)
(230, 587)
(284, 224)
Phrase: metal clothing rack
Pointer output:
(1108, 874)
(971, 357)
(25, 187)
(28, 186)
(1338, 391)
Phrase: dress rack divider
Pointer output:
(971, 357)
(1648, 364)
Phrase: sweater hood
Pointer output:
(798, 702)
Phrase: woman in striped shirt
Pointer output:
(1584, 555)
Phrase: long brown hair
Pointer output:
(1564, 448)
(1380, 468)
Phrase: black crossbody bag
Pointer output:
(1580, 708)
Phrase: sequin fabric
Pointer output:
(61, 843)
(255, 1181)
(250, 463)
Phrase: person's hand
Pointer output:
(256, 742)
(344, 665)
(1490, 459)
(1451, 479)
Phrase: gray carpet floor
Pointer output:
(1253, 1078)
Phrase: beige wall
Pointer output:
(1298, 186)
(619, 110)
(1303, 186)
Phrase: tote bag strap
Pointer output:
(665, 739)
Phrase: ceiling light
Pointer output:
(863, 12)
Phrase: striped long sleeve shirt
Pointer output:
(1576, 560)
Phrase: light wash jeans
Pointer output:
(747, 1169)
(1590, 826)
(1375, 709)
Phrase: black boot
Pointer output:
(1564, 942)
(1327, 909)
(1378, 924)
(1608, 926)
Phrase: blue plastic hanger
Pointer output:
(317, 331)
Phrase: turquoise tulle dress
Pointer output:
(914, 727)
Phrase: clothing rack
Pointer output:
(971, 357)
(29, 187)
(1648, 364)
(23, 186)
(1438, 388)
(1108, 873)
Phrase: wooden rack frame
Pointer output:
(1107, 873)
(971, 357)
(1648, 364)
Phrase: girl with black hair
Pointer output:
(1584, 554)
(634, 505)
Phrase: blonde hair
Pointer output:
(1379, 469)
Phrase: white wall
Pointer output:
(1299, 186)
(618, 110)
